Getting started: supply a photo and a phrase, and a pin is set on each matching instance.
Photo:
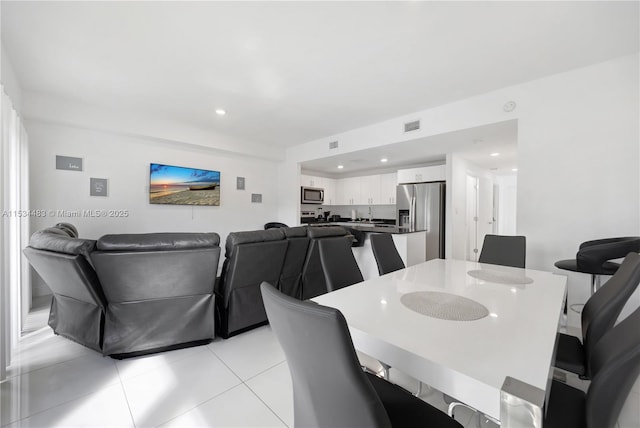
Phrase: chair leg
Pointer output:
(595, 283)
(478, 415)
(385, 370)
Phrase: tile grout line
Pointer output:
(46, 367)
(197, 404)
(200, 404)
(56, 406)
(126, 398)
(251, 389)
(266, 405)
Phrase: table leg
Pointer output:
(521, 405)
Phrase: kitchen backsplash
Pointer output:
(362, 211)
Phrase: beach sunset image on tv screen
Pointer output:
(177, 185)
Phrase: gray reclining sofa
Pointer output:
(131, 294)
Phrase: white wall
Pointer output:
(9, 81)
(124, 161)
(578, 174)
(578, 151)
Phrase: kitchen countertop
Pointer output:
(376, 226)
(385, 229)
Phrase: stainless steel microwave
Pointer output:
(311, 195)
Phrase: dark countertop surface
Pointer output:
(386, 229)
(365, 226)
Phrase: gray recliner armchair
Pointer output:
(127, 295)
(160, 289)
(290, 282)
(313, 279)
(78, 305)
(251, 257)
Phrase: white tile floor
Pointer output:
(240, 382)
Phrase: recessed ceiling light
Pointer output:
(493, 315)
(514, 169)
(340, 166)
(384, 160)
(221, 112)
(495, 154)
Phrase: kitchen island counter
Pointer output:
(410, 243)
(364, 226)
(379, 228)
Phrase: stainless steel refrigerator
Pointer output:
(420, 206)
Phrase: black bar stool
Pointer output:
(593, 257)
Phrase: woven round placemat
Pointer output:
(499, 277)
(444, 306)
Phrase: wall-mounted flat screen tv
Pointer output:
(177, 185)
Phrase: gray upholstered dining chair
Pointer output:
(504, 250)
(338, 264)
(598, 317)
(385, 253)
(341, 270)
(615, 364)
(329, 387)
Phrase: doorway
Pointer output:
(481, 213)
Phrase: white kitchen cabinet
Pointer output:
(422, 175)
(310, 181)
(388, 183)
(370, 190)
(379, 189)
(348, 191)
(329, 186)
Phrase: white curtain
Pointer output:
(15, 292)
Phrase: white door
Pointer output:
(471, 247)
(480, 213)
(486, 209)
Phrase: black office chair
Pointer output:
(338, 264)
(329, 387)
(385, 253)
(504, 250)
(615, 363)
(598, 317)
(593, 257)
(274, 225)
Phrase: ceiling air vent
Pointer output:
(412, 126)
(333, 145)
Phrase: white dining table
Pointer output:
(469, 360)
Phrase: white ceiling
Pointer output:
(474, 144)
(292, 72)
